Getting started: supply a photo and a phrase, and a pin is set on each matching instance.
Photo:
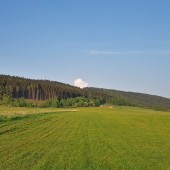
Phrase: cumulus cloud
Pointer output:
(80, 83)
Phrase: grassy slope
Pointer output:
(92, 138)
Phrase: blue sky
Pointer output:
(122, 45)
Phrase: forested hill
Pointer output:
(139, 99)
(18, 87)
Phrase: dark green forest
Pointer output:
(17, 90)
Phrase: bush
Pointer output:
(159, 108)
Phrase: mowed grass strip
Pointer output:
(91, 138)
(18, 111)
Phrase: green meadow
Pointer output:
(84, 138)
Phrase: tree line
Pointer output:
(64, 103)
(18, 88)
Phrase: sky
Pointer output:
(115, 44)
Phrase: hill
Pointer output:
(139, 99)
(19, 87)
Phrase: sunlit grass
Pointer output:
(91, 138)
(13, 111)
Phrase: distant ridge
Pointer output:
(18, 87)
(140, 99)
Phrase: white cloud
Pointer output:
(80, 83)
(96, 52)
(114, 52)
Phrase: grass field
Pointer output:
(89, 138)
